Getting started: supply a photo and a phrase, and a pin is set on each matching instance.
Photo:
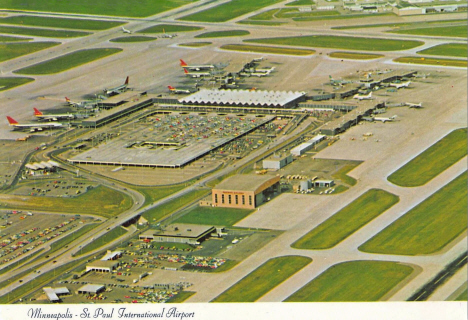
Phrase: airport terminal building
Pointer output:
(245, 98)
(244, 191)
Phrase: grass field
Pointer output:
(102, 240)
(133, 39)
(68, 61)
(340, 42)
(347, 221)
(429, 226)
(214, 216)
(263, 279)
(289, 13)
(398, 25)
(13, 39)
(452, 31)
(14, 50)
(161, 28)
(354, 56)
(301, 3)
(160, 212)
(181, 297)
(47, 33)
(153, 194)
(140, 8)
(343, 17)
(353, 281)
(463, 296)
(229, 10)
(11, 82)
(433, 161)
(267, 49)
(101, 201)
(222, 34)
(342, 174)
(432, 61)
(261, 23)
(448, 49)
(195, 44)
(80, 24)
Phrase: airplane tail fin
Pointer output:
(67, 100)
(37, 112)
(182, 63)
(171, 88)
(11, 121)
(185, 71)
(126, 80)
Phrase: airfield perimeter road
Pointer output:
(153, 65)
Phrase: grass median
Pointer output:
(452, 31)
(65, 23)
(447, 49)
(267, 49)
(222, 34)
(11, 82)
(13, 39)
(354, 281)
(68, 61)
(229, 10)
(263, 279)
(433, 161)
(428, 227)
(162, 28)
(13, 50)
(100, 201)
(124, 8)
(347, 221)
(102, 240)
(432, 61)
(133, 39)
(195, 44)
(342, 42)
(47, 33)
(354, 56)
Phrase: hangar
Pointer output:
(102, 266)
(180, 233)
(244, 191)
(245, 98)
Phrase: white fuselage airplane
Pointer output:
(198, 67)
(400, 85)
(177, 91)
(125, 30)
(118, 89)
(52, 117)
(363, 97)
(384, 119)
(88, 104)
(414, 105)
(196, 74)
(33, 126)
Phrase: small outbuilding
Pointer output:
(91, 289)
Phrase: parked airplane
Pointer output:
(52, 117)
(334, 82)
(177, 91)
(118, 89)
(401, 84)
(33, 126)
(414, 105)
(259, 74)
(87, 104)
(196, 74)
(385, 119)
(363, 97)
(266, 70)
(196, 67)
(125, 30)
